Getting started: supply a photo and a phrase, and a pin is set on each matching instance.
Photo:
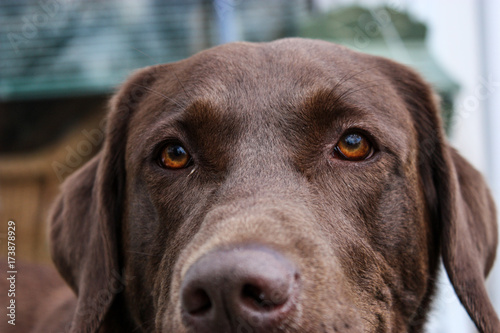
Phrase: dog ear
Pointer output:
(469, 237)
(85, 220)
(462, 210)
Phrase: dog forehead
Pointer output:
(288, 75)
(275, 83)
(288, 65)
(252, 76)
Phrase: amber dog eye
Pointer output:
(353, 147)
(174, 156)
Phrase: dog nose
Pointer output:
(249, 289)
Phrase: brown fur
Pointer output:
(261, 121)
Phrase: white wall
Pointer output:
(491, 70)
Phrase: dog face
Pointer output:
(293, 186)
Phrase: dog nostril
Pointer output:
(257, 298)
(198, 303)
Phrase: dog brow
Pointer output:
(204, 116)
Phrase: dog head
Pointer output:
(292, 186)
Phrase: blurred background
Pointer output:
(60, 60)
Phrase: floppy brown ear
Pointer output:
(85, 221)
(469, 237)
(462, 212)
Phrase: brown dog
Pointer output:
(292, 186)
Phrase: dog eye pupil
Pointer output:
(174, 156)
(176, 152)
(353, 147)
